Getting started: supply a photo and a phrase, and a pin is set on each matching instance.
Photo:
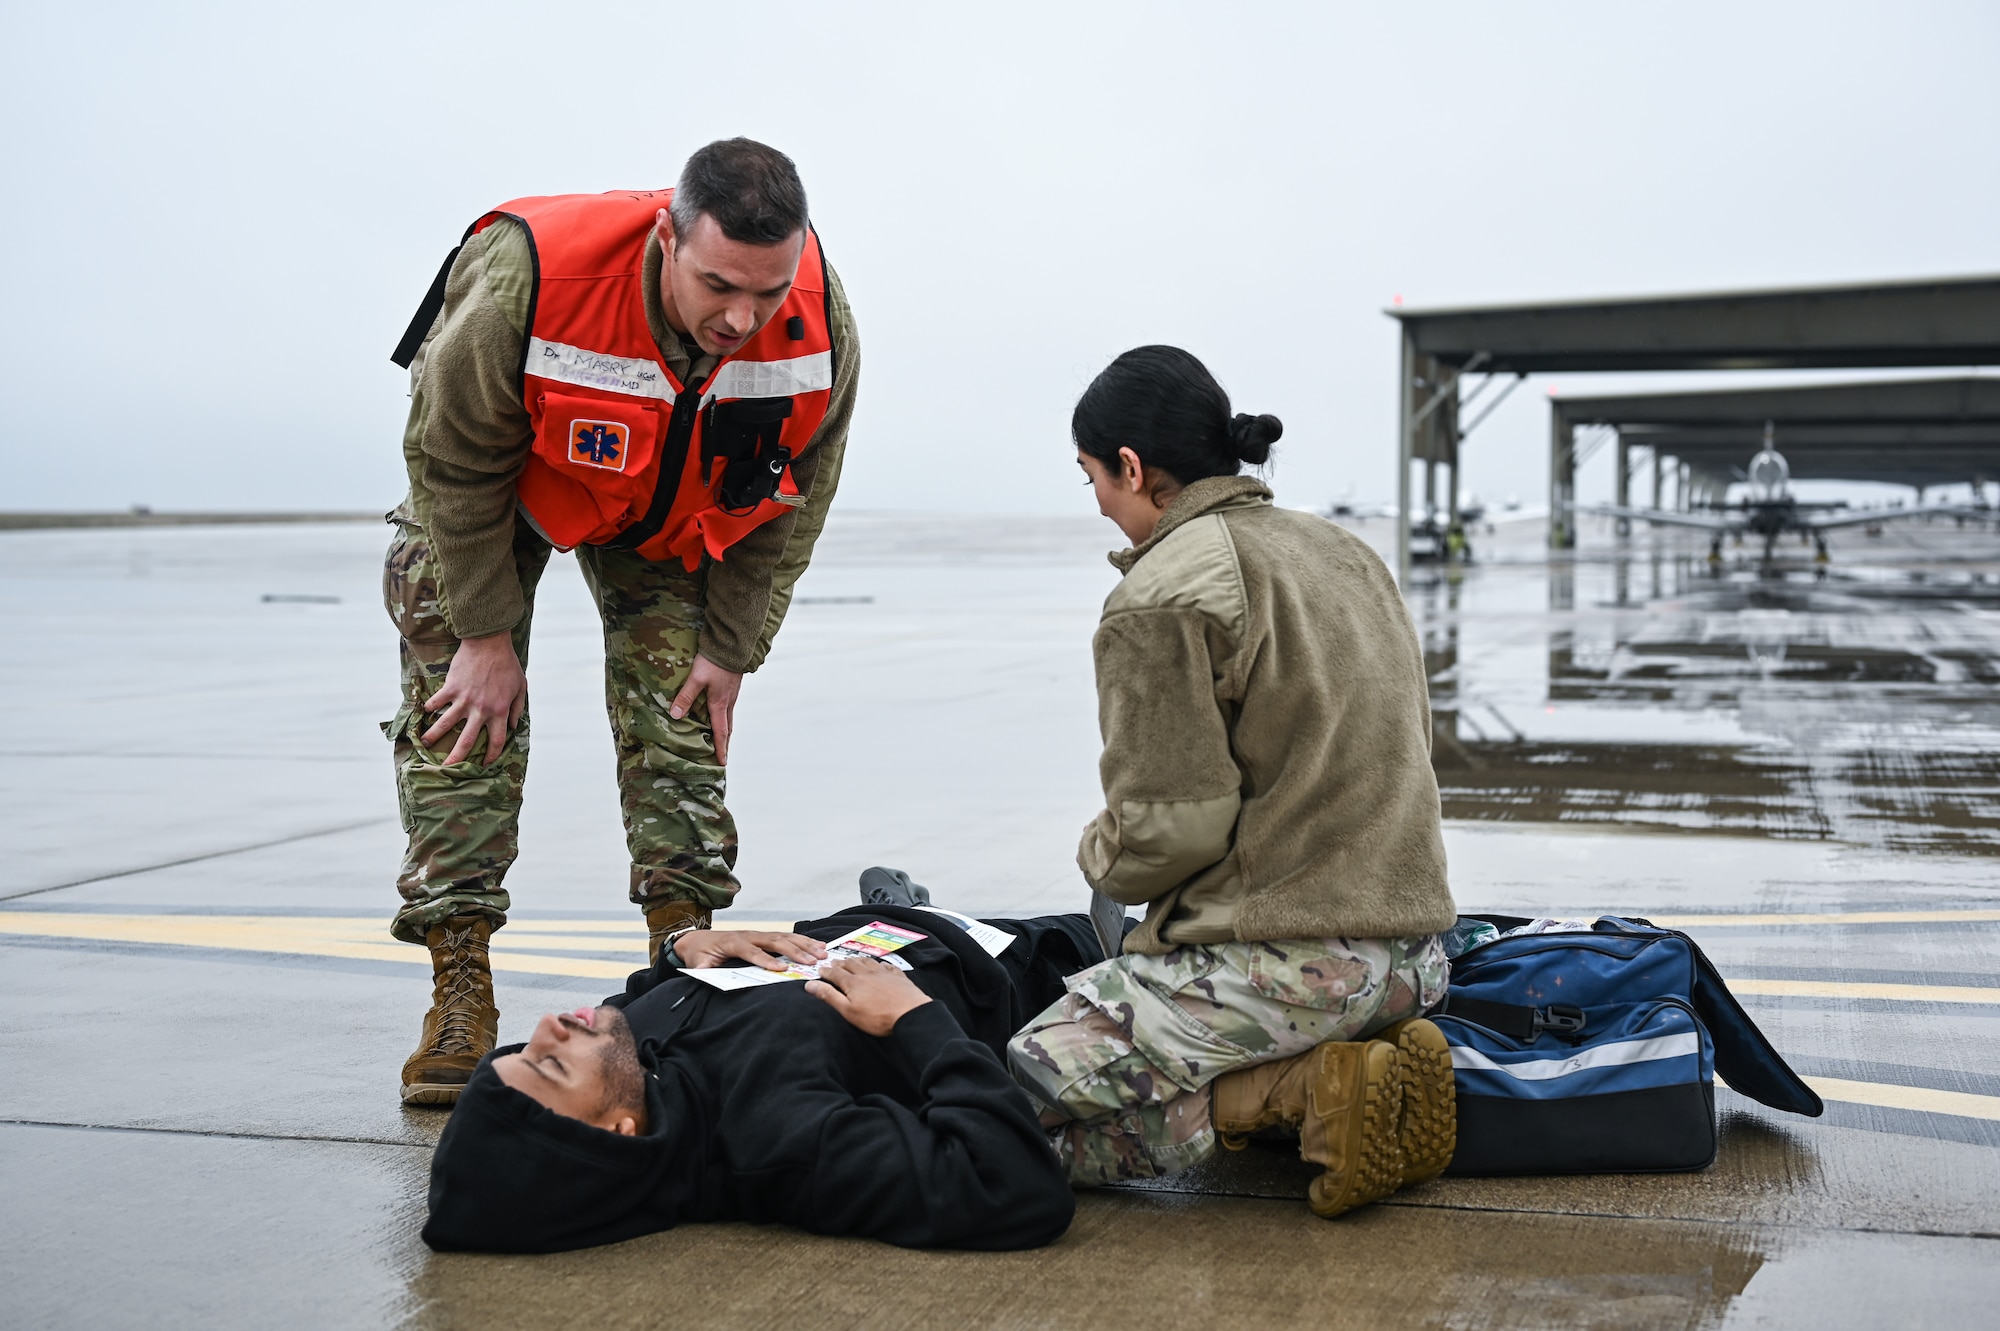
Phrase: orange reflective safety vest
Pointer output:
(625, 454)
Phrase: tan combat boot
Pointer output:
(1259, 1101)
(463, 1022)
(670, 917)
(1344, 1099)
(1429, 1132)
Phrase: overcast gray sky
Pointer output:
(221, 215)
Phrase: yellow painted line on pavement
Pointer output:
(1827, 917)
(365, 938)
(1960, 1104)
(1888, 1095)
(362, 938)
(1897, 993)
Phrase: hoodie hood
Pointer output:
(510, 1175)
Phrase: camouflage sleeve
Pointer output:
(1172, 789)
(750, 590)
(474, 433)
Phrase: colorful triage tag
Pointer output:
(878, 940)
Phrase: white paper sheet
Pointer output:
(995, 941)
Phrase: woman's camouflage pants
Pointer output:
(1121, 1065)
(463, 818)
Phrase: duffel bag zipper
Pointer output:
(1573, 940)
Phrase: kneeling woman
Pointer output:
(1269, 799)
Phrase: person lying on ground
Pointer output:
(871, 1102)
(1269, 798)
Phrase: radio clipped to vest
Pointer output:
(743, 434)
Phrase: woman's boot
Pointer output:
(1344, 1099)
(1429, 1132)
(463, 1022)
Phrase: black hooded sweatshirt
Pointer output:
(765, 1105)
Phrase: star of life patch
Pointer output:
(602, 444)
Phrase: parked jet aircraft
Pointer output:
(1771, 510)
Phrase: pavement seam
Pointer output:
(1738, 1221)
(213, 1132)
(196, 859)
(1990, 1235)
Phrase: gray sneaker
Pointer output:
(891, 887)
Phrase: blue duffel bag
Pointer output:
(1596, 1053)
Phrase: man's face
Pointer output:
(723, 290)
(562, 1066)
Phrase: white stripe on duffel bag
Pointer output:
(1601, 1056)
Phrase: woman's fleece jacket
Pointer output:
(1267, 734)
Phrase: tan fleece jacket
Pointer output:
(1266, 723)
(468, 435)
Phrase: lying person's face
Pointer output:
(583, 1065)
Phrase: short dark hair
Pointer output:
(1164, 405)
(751, 190)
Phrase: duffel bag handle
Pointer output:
(1517, 1021)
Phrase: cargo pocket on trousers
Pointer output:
(1139, 995)
(411, 593)
(394, 730)
(1311, 973)
(1185, 1052)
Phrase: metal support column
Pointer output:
(1451, 507)
(1624, 525)
(1406, 436)
(1562, 480)
(1659, 476)
(1428, 412)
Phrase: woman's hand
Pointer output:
(872, 995)
(774, 952)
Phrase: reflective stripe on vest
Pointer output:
(739, 378)
(621, 457)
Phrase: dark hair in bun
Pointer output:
(1165, 406)
(1252, 437)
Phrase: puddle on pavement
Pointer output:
(1642, 687)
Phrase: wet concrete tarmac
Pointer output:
(203, 1015)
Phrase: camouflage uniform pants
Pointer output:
(463, 818)
(1121, 1065)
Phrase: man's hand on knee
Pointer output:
(486, 691)
(872, 995)
(721, 686)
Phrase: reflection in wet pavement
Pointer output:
(1791, 736)
(1639, 686)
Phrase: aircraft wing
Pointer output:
(1868, 517)
(1666, 517)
